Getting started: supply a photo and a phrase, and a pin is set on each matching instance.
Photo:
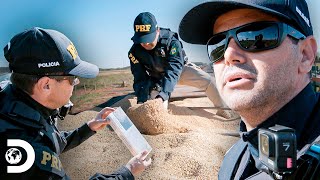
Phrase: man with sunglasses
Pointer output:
(158, 62)
(45, 66)
(262, 51)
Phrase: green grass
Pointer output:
(108, 84)
(104, 81)
(85, 98)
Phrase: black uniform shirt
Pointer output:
(302, 113)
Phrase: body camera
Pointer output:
(278, 149)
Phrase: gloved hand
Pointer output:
(100, 121)
(138, 163)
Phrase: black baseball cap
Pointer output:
(145, 28)
(197, 25)
(39, 51)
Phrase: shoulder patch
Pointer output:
(133, 59)
(173, 51)
(47, 160)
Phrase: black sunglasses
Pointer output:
(73, 80)
(252, 37)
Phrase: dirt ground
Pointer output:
(188, 141)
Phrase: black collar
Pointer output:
(26, 98)
(295, 115)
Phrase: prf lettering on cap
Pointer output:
(55, 162)
(143, 28)
(72, 50)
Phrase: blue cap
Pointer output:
(145, 28)
(196, 27)
(40, 51)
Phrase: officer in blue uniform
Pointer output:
(158, 62)
(45, 66)
(267, 84)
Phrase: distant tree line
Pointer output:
(122, 80)
(120, 68)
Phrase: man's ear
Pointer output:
(43, 85)
(42, 91)
(308, 50)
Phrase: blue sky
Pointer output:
(101, 29)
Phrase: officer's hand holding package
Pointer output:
(100, 121)
(138, 163)
(45, 68)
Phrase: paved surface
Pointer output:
(182, 91)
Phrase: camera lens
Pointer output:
(264, 144)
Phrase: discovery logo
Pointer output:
(19, 161)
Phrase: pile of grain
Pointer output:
(152, 119)
(188, 143)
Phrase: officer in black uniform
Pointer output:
(159, 62)
(266, 85)
(151, 61)
(45, 65)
